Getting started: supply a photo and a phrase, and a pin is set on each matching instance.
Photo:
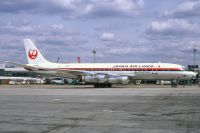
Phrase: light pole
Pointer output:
(94, 52)
(195, 51)
(58, 59)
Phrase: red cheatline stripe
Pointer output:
(122, 69)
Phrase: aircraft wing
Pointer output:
(76, 72)
(84, 73)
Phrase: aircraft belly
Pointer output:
(158, 75)
(149, 75)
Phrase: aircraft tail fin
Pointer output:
(33, 55)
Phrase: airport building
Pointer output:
(19, 75)
(12, 75)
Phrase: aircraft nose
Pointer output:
(193, 74)
(190, 75)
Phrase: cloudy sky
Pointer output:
(119, 30)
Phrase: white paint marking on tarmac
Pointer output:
(56, 99)
(110, 111)
(92, 100)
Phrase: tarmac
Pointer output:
(83, 109)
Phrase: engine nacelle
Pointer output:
(94, 79)
(118, 80)
(103, 79)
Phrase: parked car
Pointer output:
(58, 81)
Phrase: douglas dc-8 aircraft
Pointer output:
(104, 74)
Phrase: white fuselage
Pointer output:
(148, 71)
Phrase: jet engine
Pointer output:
(94, 79)
(118, 80)
(105, 80)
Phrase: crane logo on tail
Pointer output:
(32, 53)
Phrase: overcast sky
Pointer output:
(119, 30)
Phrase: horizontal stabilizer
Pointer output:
(13, 63)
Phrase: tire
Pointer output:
(109, 85)
(96, 85)
(99, 85)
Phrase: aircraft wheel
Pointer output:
(102, 85)
(99, 85)
(109, 85)
(96, 85)
(174, 83)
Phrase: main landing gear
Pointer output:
(102, 85)
(174, 83)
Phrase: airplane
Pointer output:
(103, 74)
